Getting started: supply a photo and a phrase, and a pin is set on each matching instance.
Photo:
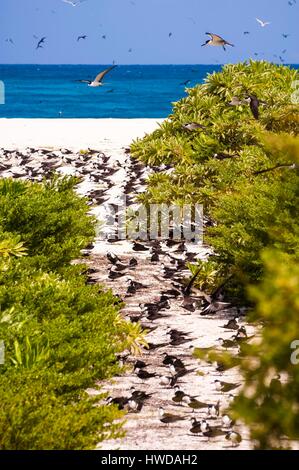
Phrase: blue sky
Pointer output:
(144, 26)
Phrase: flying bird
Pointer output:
(9, 40)
(40, 42)
(72, 3)
(254, 103)
(262, 23)
(246, 32)
(169, 35)
(81, 37)
(217, 41)
(99, 78)
(192, 126)
(285, 36)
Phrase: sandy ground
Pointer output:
(75, 134)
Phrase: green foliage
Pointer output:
(222, 166)
(49, 217)
(33, 416)
(269, 401)
(245, 173)
(61, 335)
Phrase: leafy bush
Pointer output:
(50, 218)
(269, 401)
(226, 167)
(61, 335)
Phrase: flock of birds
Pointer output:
(215, 39)
(173, 270)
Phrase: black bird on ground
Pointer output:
(133, 262)
(178, 395)
(139, 247)
(153, 346)
(120, 402)
(144, 374)
(135, 405)
(170, 381)
(40, 42)
(214, 410)
(134, 286)
(179, 340)
(113, 258)
(139, 394)
(176, 333)
(232, 324)
(139, 365)
(225, 386)
(195, 426)
(195, 404)
(171, 293)
(120, 266)
(209, 431)
(234, 437)
(115, 275)
(175, 372)
(155, 257)
(168, 418)
(228, 343)
(175, 361)
(167, 272)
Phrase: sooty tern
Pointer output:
(99, 78)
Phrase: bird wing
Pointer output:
(83, 81)
(254, 106)
(215, 36)
(260, 21)
(102, 74)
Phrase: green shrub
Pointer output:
(61, 335)
(219, 166)
(50, 218)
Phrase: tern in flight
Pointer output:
(81, 37)
(99, 78)
(262, 23)
(217, 41)
(74, 4)
(40, 42)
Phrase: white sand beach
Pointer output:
(74, 134)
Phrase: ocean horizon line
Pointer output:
(138, 64)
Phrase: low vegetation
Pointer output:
(61, 335)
